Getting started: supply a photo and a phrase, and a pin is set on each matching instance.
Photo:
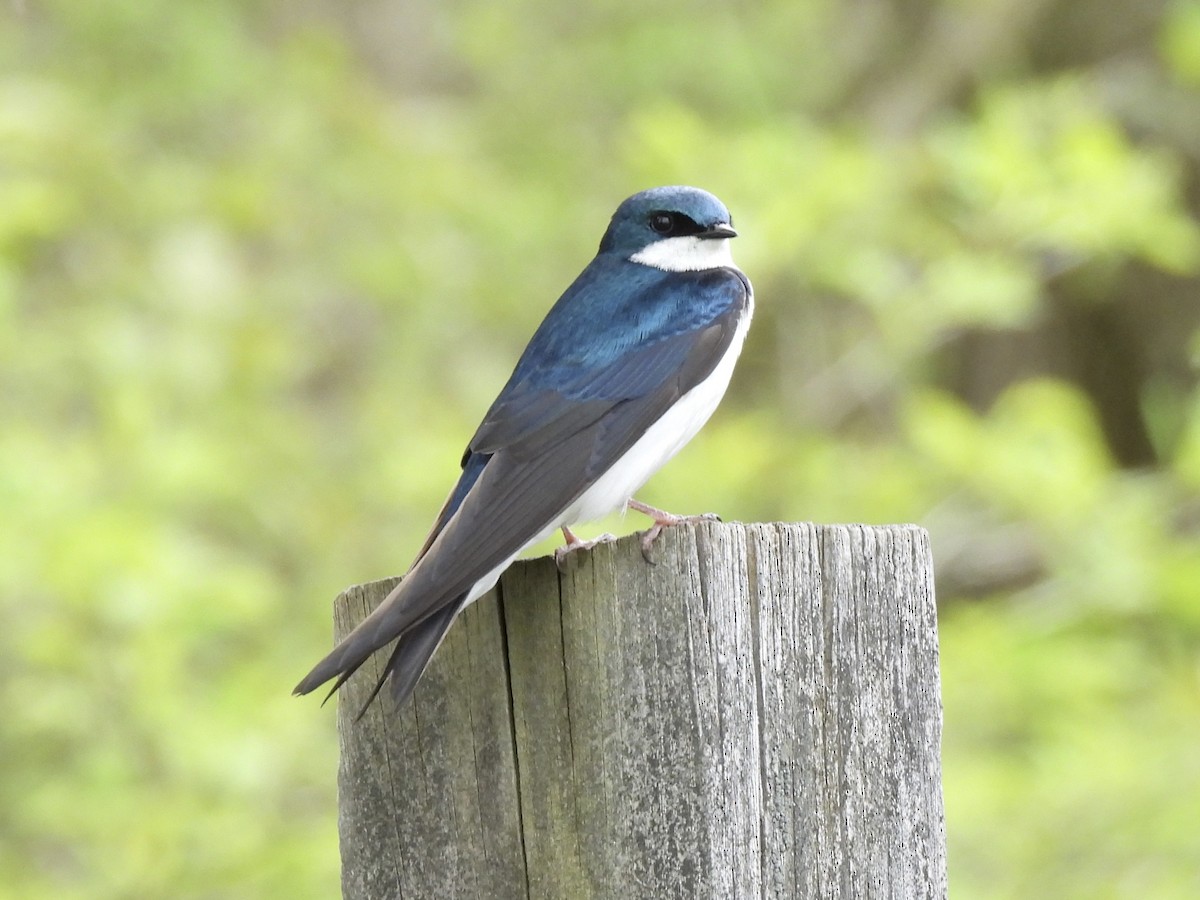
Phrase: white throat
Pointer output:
(686, 254)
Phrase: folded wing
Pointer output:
(561, 421)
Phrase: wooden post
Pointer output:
(756, 716)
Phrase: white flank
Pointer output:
(686, 254)
(662, 440)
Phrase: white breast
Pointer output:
(662, 440)
(668, 435)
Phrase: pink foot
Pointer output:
(574, 543)
(663, 519)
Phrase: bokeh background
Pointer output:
(264, 264)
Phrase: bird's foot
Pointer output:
(573, 543)
(663, 519)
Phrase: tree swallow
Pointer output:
(624, 370)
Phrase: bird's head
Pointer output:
(677, 229)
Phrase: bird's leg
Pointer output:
(573, 543)
(663, 519)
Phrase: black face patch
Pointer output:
(672, 224)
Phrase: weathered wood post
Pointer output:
(756, 716)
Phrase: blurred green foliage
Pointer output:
(263, 266)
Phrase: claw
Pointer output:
(663, 519)
(573, 543)
(649, 536)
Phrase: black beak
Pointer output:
(720, 230)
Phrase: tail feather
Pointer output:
(413, 652)
(377, 630)
(408, 661)
(336, 665)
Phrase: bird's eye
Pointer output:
(662, 222)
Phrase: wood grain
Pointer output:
(755, 715)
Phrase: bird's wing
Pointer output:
(555, 428)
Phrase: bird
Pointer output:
(624, 370)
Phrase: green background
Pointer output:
(263, 266)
